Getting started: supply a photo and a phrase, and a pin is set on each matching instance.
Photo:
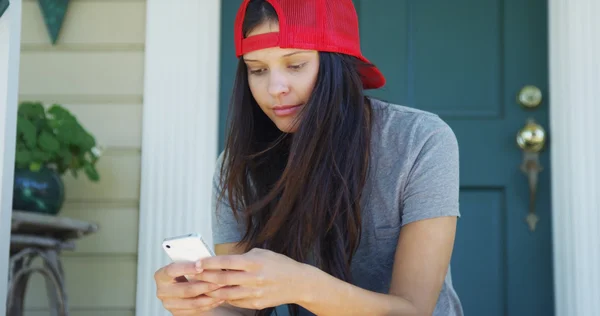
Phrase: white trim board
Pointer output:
(574, 30)
(10, 43)
(180, 132)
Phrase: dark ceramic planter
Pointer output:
(41, 192)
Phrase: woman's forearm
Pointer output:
(324, 294)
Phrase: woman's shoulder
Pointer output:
(218, 166)
(407, 126)
(415, 164)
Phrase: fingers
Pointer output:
(191, 306)
(242, 296)
(184, 290)
(236, 293)
(184, 298)
(231, 277)
(174, 270)
(257, 304)
(227, 262)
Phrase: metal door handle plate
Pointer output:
(531, 139)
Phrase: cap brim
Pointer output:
(372, 78)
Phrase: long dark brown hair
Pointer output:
(299, 194)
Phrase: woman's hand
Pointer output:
(181, 297)
(256, 280)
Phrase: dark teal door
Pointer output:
(466, 60)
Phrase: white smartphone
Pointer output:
(186, 248)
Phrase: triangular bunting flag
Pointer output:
(3, 6)
(54, 13)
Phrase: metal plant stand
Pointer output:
(38, 236)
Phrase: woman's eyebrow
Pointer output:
(286, 55)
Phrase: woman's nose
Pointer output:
(278, 84)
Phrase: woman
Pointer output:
(327, 202)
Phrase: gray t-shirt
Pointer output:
(414, 175)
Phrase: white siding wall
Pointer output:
(96, 70)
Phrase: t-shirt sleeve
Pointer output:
(432, 187)
(225, 227)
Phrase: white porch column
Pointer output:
(10, 49)
(180, 131)
(575, 152)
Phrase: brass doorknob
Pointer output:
(532, 137)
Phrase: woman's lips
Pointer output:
(286, 110)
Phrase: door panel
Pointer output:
(460, 56)
(481, 252)
(463, 57)
(466, 60)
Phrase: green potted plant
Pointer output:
(50, 142)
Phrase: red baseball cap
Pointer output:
(322, 25)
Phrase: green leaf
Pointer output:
(66, 132)
(40, 156)
(88, 141)
(60, 113)
(31, 110)
(53, 124)
(27, 130)
(48, 142)
(23, 157)
(91, 172)
(35, 166)
(66, 155)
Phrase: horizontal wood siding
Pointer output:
(96, 70)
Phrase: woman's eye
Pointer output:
(257, 71)
(297, 67)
